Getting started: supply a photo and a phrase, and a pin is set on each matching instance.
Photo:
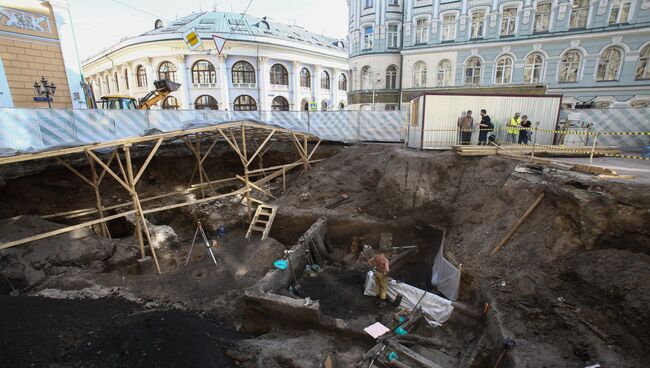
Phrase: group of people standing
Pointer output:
(518, 129)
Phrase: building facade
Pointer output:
(594, 52)
(263, 66)
(36, 41)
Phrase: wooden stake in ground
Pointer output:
(519, 222)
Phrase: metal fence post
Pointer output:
(593, 148)
(532, 154)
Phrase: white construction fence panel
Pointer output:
(441, 114)
(621, 120)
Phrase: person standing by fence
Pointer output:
(524, 132)
(485, 126)
(513, 129)
(465, 124)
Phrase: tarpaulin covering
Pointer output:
(444, 275)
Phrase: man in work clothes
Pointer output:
(382, 266)
(465, 124)
(485, 126)
(513, 129)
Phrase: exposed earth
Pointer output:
(571, 287)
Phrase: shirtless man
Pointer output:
(382, 266)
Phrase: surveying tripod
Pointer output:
(199, 230)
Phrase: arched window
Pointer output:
(167, 70)
(280, 103)
(444, 73)
(533, 68)
(305, 78)
(203, 72)
(323, 106)
(279, 75)
(365, 77)
(206, 102)
(126, 78)
(243, 72)
(609, 64)
(343, 82)
(473, 72)
(643, 67)
(419, 75)
(570, 66)
(391, 77)
(245, 103)
(170, 103)
(324, 80)
(579, 13)
(504, 70)
(305, 105)
(141, 76)
(341, 106)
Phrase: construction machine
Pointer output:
(163, 88)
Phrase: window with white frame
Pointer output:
(392, 35)
(503, 73)
(478, 24)
(419, 75)
(533, 68)
(542, 17)
(473, 72)
(391, 77)
(449, 27)
(609, 64)
(444, 73)
(570, 66)
(643, 67)
(365, 77)
(368, 36)
(508, 21)
(369, 4)
(421, 31)
(393, 2)
(620, 12)
(579, 14)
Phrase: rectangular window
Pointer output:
(620, 12)
(422, 31)
(393, 2)
(369, 4)
(368, 37)
(392, 36)
(542, 17)
(449, 28)
(579, 13)
(508, 21)
(478, 22)
(390, 107)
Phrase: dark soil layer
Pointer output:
(41, 332)
(340, 293)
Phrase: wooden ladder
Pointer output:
(262, 220)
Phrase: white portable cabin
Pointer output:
(434, 117)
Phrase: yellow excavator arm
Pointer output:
(163, 88)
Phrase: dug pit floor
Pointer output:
(570, 286)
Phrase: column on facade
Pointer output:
(223, 83)
(335, 88)
(184, 79)
(316, 83)
(130, 75)
(152, 74)
(295, 82)
(264, 82)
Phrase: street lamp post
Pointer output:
(45, 89)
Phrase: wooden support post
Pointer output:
(246, 163)
(141, 222)
(284, 179)
(518, 223)
(591, 155)
(98, 198)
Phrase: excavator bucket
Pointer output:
(166, 86)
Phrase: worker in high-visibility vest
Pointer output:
(513, 129)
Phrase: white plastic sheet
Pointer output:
(444, 275)
(436, 309)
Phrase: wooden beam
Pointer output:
(108, 163)
(148, 160)
(260, 148)
(74, 171)
(518, 223)
(109, 171)
(98, 198)
(257, 187)
(139, 216)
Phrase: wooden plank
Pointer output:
(413, 355)
(260, 148)
(523, 218)
(148, 160)
(109, 171)
(74, 171)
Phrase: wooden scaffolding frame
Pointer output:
(241, 136)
